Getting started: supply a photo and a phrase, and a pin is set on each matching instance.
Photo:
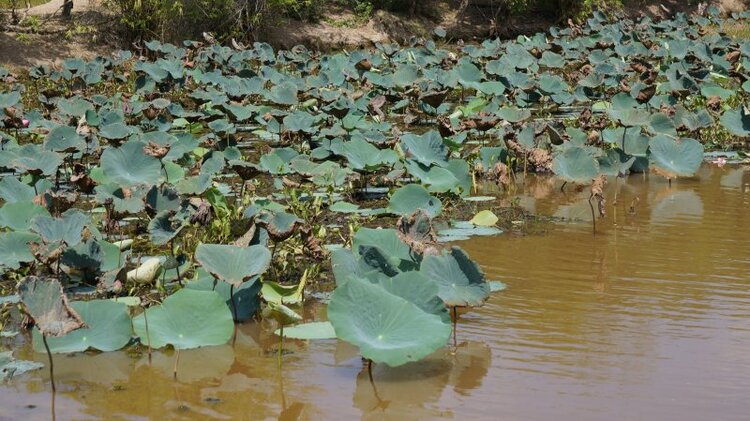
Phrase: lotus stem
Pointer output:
(562, 188)
(454, 318)
(176, 362)
(51, 365)
(234, 312)
(148, 337)
(593, 216)
(281, 344)
(177, 268)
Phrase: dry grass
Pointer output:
(737, 30)
(21, 4)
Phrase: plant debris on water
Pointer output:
(188, 188)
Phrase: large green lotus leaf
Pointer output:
(387, 328)
(45, 302)
(64, 139)
(32, 158)
(280, 225)
(10, 367)
(277, 162)
(246, 298)
(693, 120)
(412, 197)
(552, 60)
(11, 99)
(115, 131)
(67, 228)
(416, 288)
(85, 256)
(406, 75)
(14, 248)
(362, 155)
(437, 179)
(460, 280)
(426, 149)
(615, 163)
(675, 157)
(186, 319)
(107, 328)
(165, 227)
(737, 121)
(309, 331)
(629, 139)
(13, 190)
(284, 94)
(630, 116)
(125, 200)
(233, 264)
(128, 165)
(513, 114)
(17, 216)
(662, 124)
(468, 73)
(575, 165)
(346, 264)
(387, 239)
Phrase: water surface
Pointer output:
(648, 319)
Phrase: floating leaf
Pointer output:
(309, 331)
(484, 218)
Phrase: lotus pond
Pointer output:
(203, 231)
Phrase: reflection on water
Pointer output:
(649, 319)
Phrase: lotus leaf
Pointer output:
(128, 165)
(459, 279)
(675, 157)
(107, 328)
(386, 327)
(309, 331)
(47, 305)
(412, 197)
(233, 264)
(186, 319)
(575, 165)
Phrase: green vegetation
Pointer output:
(205, 185)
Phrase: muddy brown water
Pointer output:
(649, 319)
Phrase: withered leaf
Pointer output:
(45, 302)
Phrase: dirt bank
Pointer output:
(89, 32)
